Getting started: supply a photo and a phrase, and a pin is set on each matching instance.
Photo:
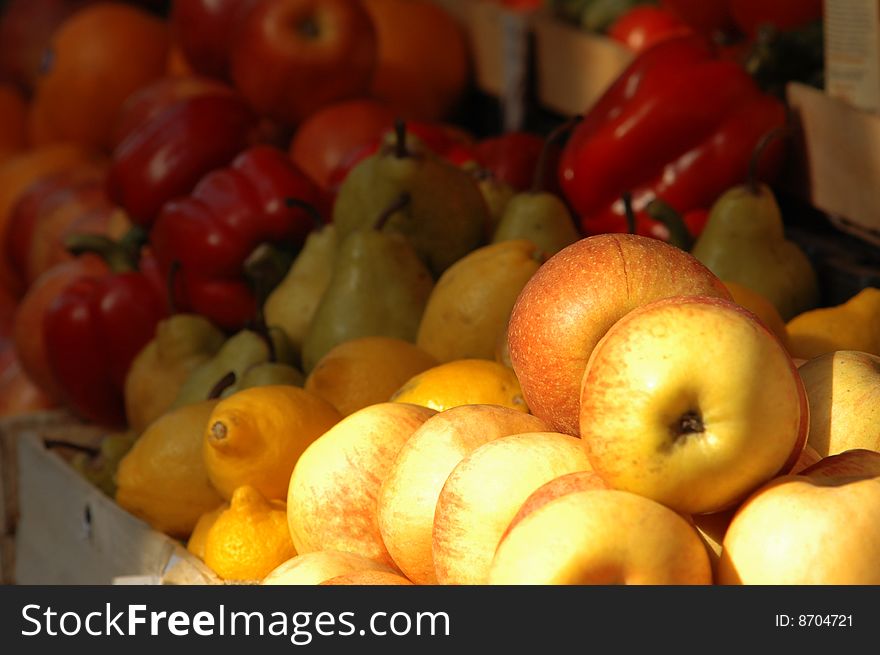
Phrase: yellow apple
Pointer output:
(814, 528)
(331, 500)
(368, 578)
(601, 537)
(693, 402)
(411, 488)
(484, 492)
(843, 389)
(574, 298)
(319, 566)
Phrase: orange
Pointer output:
(20, 171)
(424, 62)
(250, 538)
(13, 119)
(366, 371)
(463, 382)
(99, 56)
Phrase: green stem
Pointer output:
(679, 234)
(117, 257)
(222, 385)
(629, 211)
(309, 208)
(400, 149)
(752, 181)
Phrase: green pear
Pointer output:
(266, 374)
(238, 353)
(293, 302)
(379, 287)
(540, 217)
(446, 216)
(744, 241)
(182, 343)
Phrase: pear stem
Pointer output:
(679, 234)
(222, 385)
(314, 214)
(752, 181)
(549, 142)
(628, 210)
(400, 149)
(402, 201)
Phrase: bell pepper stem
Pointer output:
(399, 203)
(544, 158)
(679, 234)
(400, 149)
(119, 258)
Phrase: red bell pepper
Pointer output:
(168, 155)
(232, 211)
(679, 125)
(96, 327)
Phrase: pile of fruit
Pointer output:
(335, 338)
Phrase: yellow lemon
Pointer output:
(163, 478)
(250, 538)
(854, 325)
(196, 542)
(463, 382)
(760, 307)
(471, 303)
(366, 371)
(255, 436)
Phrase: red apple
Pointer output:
(204, 30)
(570, 303)
(293, 57)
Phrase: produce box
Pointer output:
(60, 529)
(840, 170)
(573, 67)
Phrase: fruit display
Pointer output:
(334, 329)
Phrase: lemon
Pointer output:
(854, 325)
(249, 538)
(255, 436)
(463, 382)
(196, 542)
(163, 478)
(366, 371)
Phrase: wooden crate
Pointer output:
(69, 532)
(573, 67)
(838, 168)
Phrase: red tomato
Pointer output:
(645, 26)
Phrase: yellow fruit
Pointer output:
(196, 542)
(163, 478)
(472, 301)
(366, 371)
(854, 325)
(760, 307)
(250, 538)
(463, 382)
(255, 436)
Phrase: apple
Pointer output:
(814, 528)
(204, 29)
(319, 566)
(290, 58)
(371, 578)
(843, 389)
(332, 497)
(485, 491)
(693, 402)
(331, 137)
(580, 292)
(601, 537)
(856, 462)
(412, 486)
